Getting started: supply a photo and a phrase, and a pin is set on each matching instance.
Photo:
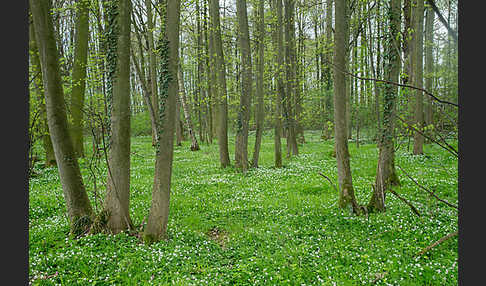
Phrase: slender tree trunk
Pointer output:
(243, 117)
(260, 115)
(385, 173)
(117, 200)
(78, 204)
(429, 63)
(187, 111)
(79, 75)
(418, 139)
(156, 228)
(50, 159)
(152, 63)
(346, 194)
(220, 86)
(289, 106)
(178, 127)
(278, 45)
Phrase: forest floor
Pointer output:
(267, 227)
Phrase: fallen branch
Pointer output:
(452, 234)
(428, 191)
(332, 184)
(405, 201)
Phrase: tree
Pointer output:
(243, 118)
(290, 59)
(50, 159)
(418, 139)
(117, 199)
(152, 63)
(78, 204)
(79, 74)
(346, 193)
(220, 87)
(429, 62)
(156, 228)
(260, 115)
(187, 110)
(278, 45)
(385, 173)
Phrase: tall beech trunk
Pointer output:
(429, 63)
(260, 115)
(117, 200)
(187, 110)
(178, 126)
(152, 63)
(418, 139)
(346, 190)
(79, 75)
(385, 173)
(278, 45)
(156, 228)
(220, 86)
(50, 158)
(289, 106)
(78, 204)
(243, 117)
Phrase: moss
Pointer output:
(149, 239)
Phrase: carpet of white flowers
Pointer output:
(274, 226)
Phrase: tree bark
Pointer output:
(278, 45)
(77, 202)
(429, 63)
(289, 105)
(79, 75)
(346, 194)
(243, 117)
(152, 63)
(220, 87)
(50, 159)
(260, 115)
(187, 110)
(385, 173)
(418, 139)
(117, 200)
(156, 227)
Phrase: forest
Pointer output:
(235, 142)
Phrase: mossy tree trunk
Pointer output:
(386, 173)
(117, 199)
(156, 228)
(78, 204)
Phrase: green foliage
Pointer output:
(279, 226)
(140, 124)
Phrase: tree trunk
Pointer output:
(156, 227)
(220, 86)
(117, 200)
(260, 115)
(289, 106)
(385, 173)
(77, 202)
(429, 63)
(346, 194)
(278, 45)
(79, 75)
(418, 139)
(50, 159)
(243, 117)
(152, 63)
(187, 110)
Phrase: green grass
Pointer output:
(278, 226)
